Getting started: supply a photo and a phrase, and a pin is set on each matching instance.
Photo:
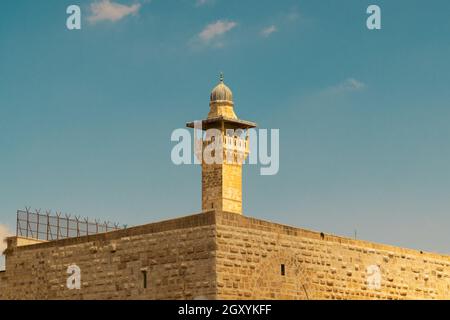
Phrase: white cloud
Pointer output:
(348, 85)
(265, 32)
(4, 232)
(215, 30)
(111, 11)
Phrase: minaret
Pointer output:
(222, 180)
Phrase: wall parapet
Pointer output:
(231, 219)
(200, 219)
(224, 218)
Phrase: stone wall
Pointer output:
(222, 187)
(232, 187)
(225, 256)
(3, 283)
(251, 252)
(177, 255)
(211, 187)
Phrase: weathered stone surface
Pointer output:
(220, 255)
(338, 272)
(176, 254)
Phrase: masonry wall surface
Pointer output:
(3, 283)
(221, 256)
(250, 253)
(178, 256)
(222, 187)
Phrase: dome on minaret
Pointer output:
(221, 92)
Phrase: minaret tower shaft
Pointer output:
(222, 152)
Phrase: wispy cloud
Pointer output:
(216, 29)
(212, 35)
(4, 232)
(348, 85)
(293, 14)
(267, 31)
(106, 10)
(199, 3)
(285, 20)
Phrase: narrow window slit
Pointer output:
(144, 278)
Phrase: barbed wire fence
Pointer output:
(48, 226)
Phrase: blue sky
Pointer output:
(86, 115)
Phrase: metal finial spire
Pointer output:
(221, 77)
